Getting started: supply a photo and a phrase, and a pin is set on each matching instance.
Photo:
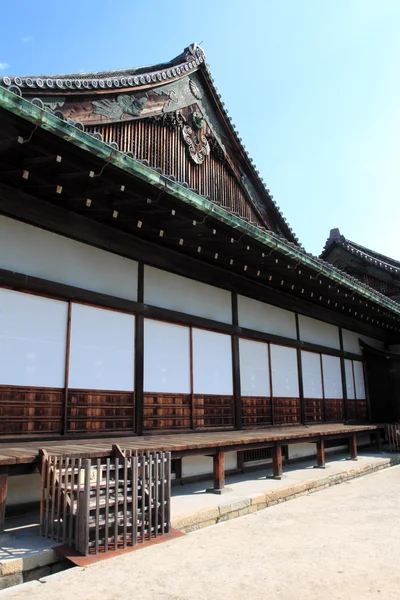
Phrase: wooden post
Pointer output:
(343, 373)
(237, 397)
(378, 439)
(321, 454)
(353, 446)
(139, 374)
(277, 461)
(300, 373)
(240, 460)
(219, 473)
(3, 497)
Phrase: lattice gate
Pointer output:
(106, 503)
(393, 433)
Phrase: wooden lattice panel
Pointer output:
(334, 409)
(31, 410)
(99, 411)
(286, 411)
(256, 410)
(314, 410)
(213, 411)
(167, 411)
(105, 504)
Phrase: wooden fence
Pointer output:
(393, 432)
(103, 504)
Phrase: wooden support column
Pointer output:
(139, 356)
(353, 446)
(3, 497)
(321, 454)
(300, 373)
(237, 397)
(219, 473)
(277, 461)
(343, 373)
(240, 460)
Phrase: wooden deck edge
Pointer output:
(260, 501)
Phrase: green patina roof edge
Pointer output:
(44, 119)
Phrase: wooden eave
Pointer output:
(144, 210)
(143, 79)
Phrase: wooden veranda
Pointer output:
(24, 456)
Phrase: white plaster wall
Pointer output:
(318, 332)
(23, 489)
(174, 292)
(302, 450)
(33, 332)
(39, 253)
(351, 342)
(102, 349)
(265, 317)
(203, 465)
(212, 362)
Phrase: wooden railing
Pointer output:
(105, 504)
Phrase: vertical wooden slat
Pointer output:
(168, 490)
(134, 499)
(116, 503)
(43, 487)
(72, 510)
(53, 493)
(156, 486)
(66, 374)
(58, 506)
(143, 497)
(65, 500)
(98, 478)
(78, 494)
(125, 463)
(48, 492)
(107, 506)
(163, 481)
(150, 487)
(86, 513)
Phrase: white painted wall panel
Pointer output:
(332, 376)
(348, 366)
(202, 465)
(212, 363)
(350, 341)
(33, 332)
(318, 332)
(33, 251)
(168, 290)
(265, 317)
(285, 380)
(166, 357)
(101, 349)
(312, 377)
(359, 379)
(254, 368)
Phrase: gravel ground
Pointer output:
(340, 543)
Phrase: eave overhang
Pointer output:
(260, 255)
(193, 59)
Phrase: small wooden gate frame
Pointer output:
(393, 432)
(106, 503)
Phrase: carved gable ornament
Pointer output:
(195, 138)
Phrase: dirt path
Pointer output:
(341, 543)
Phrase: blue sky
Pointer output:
(312, 85)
